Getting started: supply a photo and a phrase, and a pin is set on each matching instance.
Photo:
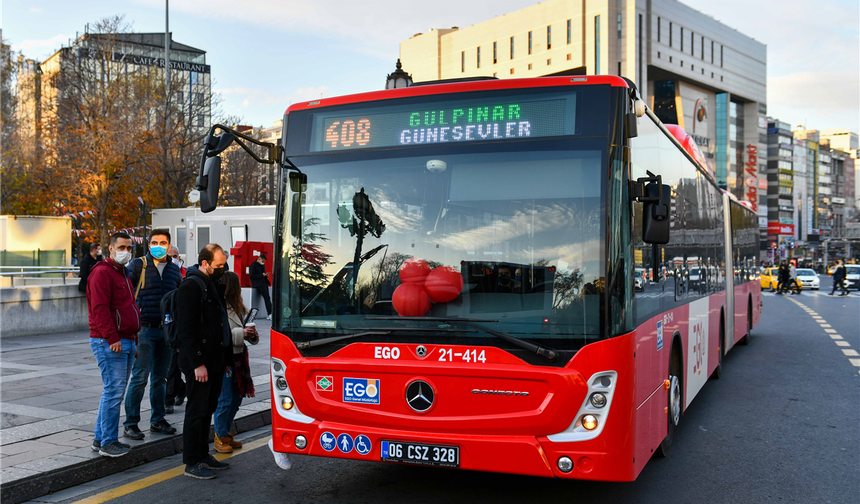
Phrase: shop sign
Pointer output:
(752, 182)
(778, 228)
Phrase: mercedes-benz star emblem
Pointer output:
(421, 350)
(419, 396)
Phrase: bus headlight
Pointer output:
(301, 442)
(287, 403)
(589, 422)
(598, 400)
(281, 383)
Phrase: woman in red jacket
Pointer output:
(114, 324)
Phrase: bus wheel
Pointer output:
(673, 418)
(746, 339)
(718, 373)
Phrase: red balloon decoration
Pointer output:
(414, 270)
(444, 284)
(410, 300)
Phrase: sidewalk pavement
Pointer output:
(50, 387)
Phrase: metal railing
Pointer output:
(21, 272)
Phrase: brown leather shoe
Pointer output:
(222, 445)
(232, 442)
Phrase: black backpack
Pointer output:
(169, 313)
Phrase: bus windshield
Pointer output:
(522, 228)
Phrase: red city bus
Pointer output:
(454, 277)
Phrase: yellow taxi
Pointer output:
(770, 279)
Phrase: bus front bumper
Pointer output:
(525, 455)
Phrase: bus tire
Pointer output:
(673, 418)
(746, 339)
(718, 373)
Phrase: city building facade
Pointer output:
(784, 194)
(132, 53)
(691, 69)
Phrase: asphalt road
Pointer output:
(782, 425)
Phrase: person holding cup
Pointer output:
(237, 382)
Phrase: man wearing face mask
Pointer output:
(114, 323)
(177, 259)
(153, 276)
(205, 345)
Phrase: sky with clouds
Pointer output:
(268, 54)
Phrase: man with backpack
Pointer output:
(152, 276)
(205, 343)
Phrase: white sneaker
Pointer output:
(269, 317)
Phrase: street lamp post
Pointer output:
(398, 78)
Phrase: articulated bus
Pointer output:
(454, 278)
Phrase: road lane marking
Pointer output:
(849, 352)
(140, 484)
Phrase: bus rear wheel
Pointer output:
(673, 418)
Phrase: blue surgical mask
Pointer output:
(158, 252)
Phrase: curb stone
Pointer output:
(37, 485)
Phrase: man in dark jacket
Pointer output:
(205, 343)
(260, 282)
(839, 279)
(152, 276)
(114, 323)
(87, 264)
(783, 278)
(175, 394)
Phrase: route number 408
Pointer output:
(449, 355)
(348, 133)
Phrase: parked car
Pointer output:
(808, 278)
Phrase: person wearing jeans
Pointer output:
(153, 357)
(115, 368)
(114, 321)
(153, 276)
(236, 382)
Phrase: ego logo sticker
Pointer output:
(361, 390)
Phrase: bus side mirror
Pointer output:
(298, 184)
(655, 213)
(209, 184)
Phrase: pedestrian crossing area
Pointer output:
(809, 292)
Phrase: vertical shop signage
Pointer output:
(752, 178)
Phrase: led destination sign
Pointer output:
(441, 124)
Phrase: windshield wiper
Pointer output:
(304, 345)
(545, 352)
